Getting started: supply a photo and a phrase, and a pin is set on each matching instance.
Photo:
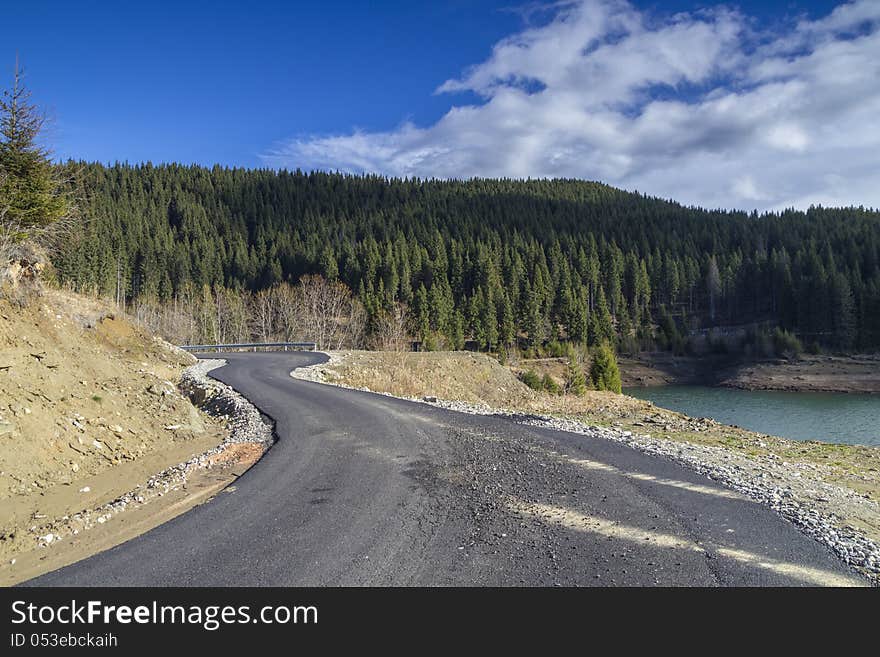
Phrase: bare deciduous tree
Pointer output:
(392, 329)
(289, 318)
(333, 318)
(264, 315)
(317, 310)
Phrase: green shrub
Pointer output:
(604, 371)
(786, 344)
(431, 342)
(629, 345)
(532, 380)
(556, 349)
(550, 385)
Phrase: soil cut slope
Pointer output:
(89, 408)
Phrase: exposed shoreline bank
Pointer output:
(859, 373)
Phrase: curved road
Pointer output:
(363, 489)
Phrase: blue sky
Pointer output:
(220, 82)
(354, 86)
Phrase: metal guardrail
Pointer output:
(311, 346)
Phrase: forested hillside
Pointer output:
(495, 261)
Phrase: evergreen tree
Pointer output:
(489, 322)
(603, 369)
(533, 321)
(842, 312)
(576, 381)
(507, 327)
(31, 195)
(328, 265)
(457, 331)
(601, 327)
(713, 286)
(423, 313)
(558, 259)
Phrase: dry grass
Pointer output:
(464, 376)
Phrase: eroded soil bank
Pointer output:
(93, 422)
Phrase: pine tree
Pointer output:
(579, 322)
(603, 369)
(328, 264)
(31, 194)
(533, 321)
(507, 327)
(489, 321)
(423, 314)
(713, 286)
(601, 328)
(438, 313)
(842, 312)
(457, 331)
(576, 382)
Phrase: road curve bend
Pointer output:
(364, 489)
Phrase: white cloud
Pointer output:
(701, 107)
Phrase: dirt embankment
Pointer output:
(464, 376)
(807, 373)
(663, 368)
(810, 373)
(89, 410)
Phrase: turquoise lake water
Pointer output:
(829, 417)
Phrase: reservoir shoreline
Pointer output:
(859, 373)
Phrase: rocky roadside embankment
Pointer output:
(794, 490)
(248, 436)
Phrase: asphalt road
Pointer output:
(363, 489)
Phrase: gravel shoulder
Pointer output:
(828, 491)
